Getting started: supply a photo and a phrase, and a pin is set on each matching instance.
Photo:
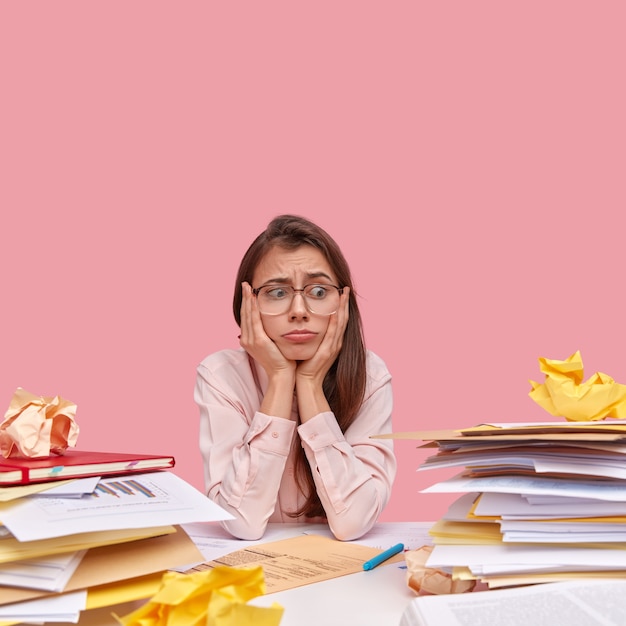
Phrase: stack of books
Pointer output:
(88, 530)
(540, 502)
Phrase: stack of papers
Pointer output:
(94, 542)
(540, 502)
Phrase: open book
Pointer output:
(571, 603)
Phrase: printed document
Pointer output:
(301, 560)
(138, 501)
(572, 603)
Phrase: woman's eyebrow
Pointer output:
(319, 275)
(283, 280)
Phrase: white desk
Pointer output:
(369, 598)
(374, 598)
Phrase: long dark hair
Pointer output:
(344, 385)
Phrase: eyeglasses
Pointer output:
(319, 299)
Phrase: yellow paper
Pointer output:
(565, 394)
(465, 533)
(7, 494)
(300, 560)
(513, 580)
(101, 598)
(120, 561)
(14, 550)
(217, 596)
(122, 591)
(35, 426)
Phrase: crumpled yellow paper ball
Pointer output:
(564, 394)
(428, 580)
(35, 426)
(213, 597)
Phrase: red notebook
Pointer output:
(77, 464)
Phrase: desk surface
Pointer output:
(375, 597)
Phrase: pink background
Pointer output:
(469, 157)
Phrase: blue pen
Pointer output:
(383, 556)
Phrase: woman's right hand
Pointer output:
(254, 339)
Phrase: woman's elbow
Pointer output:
(353, 524)
(244, 530)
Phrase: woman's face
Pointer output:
(297, 332)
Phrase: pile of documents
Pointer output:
(540, 502)
(68, 546)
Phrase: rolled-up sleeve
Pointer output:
(244, 452)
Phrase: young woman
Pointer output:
(285, 422)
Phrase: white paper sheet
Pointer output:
(477, 555)
(50, 573)
(65, 607)
(515, 506)
(526, 485)
(138, 501)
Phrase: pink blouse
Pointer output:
(249, 457)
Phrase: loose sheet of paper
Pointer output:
(140, 501)
(21, 491)
(514, 506)
(13, 550)
(50, 573)
(534, 485)
(300, 560)
(65, 607)
(121, 562)
(592, 603)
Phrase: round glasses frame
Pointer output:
(292, 294)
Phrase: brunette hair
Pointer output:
(344, 385)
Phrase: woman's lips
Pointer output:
(299, 336)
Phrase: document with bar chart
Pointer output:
(141, 501)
